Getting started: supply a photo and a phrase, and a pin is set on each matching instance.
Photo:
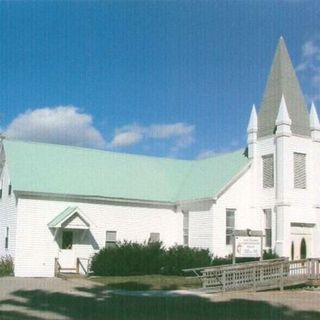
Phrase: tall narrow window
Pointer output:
(303, 249)
(299, 163)
(111, 239)
(268, 171)
(292, 250)
(6, 244)
(229, 225)
(154, 237)
(1, 183)
(9, 189)
(268, 227)
(185, 228)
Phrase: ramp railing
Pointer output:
(259, 275)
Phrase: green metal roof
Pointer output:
(58, 169)
(61, 217)
(283, 80)
(210, 175)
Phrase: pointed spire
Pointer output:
(282, 80)
(314, 119)
(253, 122)
(283, 115)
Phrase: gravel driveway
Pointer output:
(52, 298)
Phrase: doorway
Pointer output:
(66, 253)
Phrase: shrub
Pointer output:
(179, 257)
(131, 258)
(128, 258)
(6, 266)
(269, 254)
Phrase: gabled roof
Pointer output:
(209, 176)
(57, 169)
(282, 80)
(68, 214)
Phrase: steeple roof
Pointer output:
(282, 80)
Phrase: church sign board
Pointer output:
(247, 244)
(248, 247)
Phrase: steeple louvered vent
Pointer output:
(299, 163)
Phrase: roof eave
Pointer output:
(75, 197)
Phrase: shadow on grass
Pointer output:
(129, 285)
(100, 303)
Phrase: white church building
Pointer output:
(61, 203)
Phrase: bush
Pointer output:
(179, 257)
(6, 266)
(131, 258)
(267, 255)
(128, 258)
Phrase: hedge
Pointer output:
(128, 258)
(131, 258)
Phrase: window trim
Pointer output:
(153, 234)
(111, 243)
(228, 240)
(268, 227)
(185, 228)
(6, 241)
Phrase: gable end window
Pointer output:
(111, 239)
(268, 171)
(299, 167)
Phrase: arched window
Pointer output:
(303, 249)
(292, 250)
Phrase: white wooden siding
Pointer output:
(7, 215)
(34, 238)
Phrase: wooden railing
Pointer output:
(260, 275)
(83, 265)
(57, 267)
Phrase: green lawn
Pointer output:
(148, 282)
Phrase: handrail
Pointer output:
(57, 266)
(259, 275)
(236, 265)
(80, 264)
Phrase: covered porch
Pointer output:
(71, 232)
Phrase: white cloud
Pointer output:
(67, 125)
(123, 139)
(204, 154)
(180, 134)
(208, 153)
(309, 49)
(61, 124)
(164, 131)
(309, 68)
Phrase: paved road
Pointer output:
(79, 299)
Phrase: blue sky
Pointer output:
(174, 79)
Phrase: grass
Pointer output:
(148, 282)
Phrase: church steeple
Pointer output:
(282, 80)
